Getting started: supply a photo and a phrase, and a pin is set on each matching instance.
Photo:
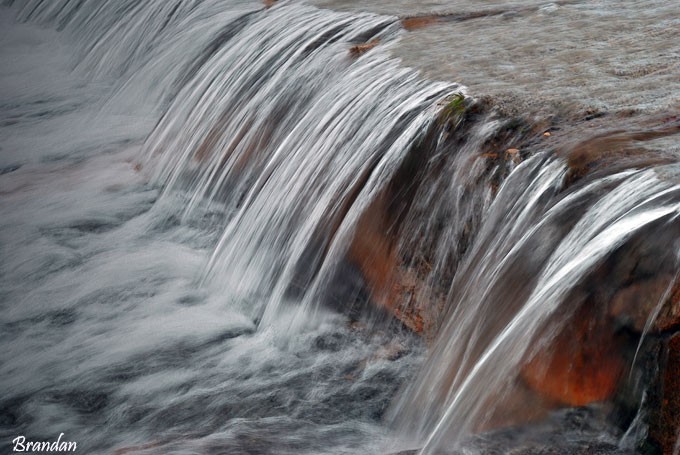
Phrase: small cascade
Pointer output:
(511, 294)
(292, 133)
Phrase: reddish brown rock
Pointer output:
(361, 49)
(394, 287)
(413, 23)
(414, 304)
(373, 250)
(583, 364)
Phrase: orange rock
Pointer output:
(582, 365)
(394, 287)
(546, 134)
(361, 49)
(373, 250)
(413, 23)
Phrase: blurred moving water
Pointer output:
(180, 182)
(108, 334)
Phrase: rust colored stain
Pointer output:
(413, 23)
(361, 49)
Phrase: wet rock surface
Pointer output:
(575, 431)
(665, 407)
(602, 56)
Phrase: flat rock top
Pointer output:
(603, 55)
(416, 7)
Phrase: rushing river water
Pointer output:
(180, 183)
(108, 334)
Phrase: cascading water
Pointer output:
(518, 274)
(246, 137)
(169, 271)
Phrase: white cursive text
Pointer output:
(21, 445)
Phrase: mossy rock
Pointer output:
(454, 109)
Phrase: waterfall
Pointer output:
(526, 260)
(288, 128)
(293, 140)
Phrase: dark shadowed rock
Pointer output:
(665, 424)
